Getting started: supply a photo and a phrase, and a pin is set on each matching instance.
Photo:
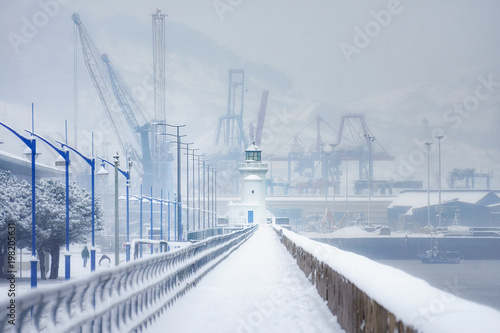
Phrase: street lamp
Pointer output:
(439, 137)
(347, 190)
(199, 193)
(214, 196)
(333, 145)
(204, 161)
(187, 186)
(168, 219)
(175, 216)
(151, 219)
(91, 162)
(126, 174)
(370, 139)
(140, 219)
(213, 199)
(187, 189)
(116, 160)
(31, 143)
(428, 144)
(194, 212)
(63, 160)
(151, 201)
(178, 214)
(161, 215)
(208, 196)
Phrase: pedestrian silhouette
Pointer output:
(85, 255)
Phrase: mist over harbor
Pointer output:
(414, 69)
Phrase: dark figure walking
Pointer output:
(85, 256)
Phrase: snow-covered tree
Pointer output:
(15, 201)
(15, 209)
(51, 218)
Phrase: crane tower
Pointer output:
(161, 159)
(231, 125)
(137, 135)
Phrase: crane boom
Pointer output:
(126, 101)
(96, 73)
(262, 116)
(136, 135)
(121, 98)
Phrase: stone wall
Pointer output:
(355, 311)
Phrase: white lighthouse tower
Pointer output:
(252, 208)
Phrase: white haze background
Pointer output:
(429, 56)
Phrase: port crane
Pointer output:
(132, 136)
(230, 139)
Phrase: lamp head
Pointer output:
(60, 161)
(116, 157)
(27, 153)
(102, 173)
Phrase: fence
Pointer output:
(202, 234)
(124, 298)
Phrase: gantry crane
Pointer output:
(354, 142)
(231, 125)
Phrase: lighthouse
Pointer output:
(252, 208)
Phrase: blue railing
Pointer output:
(124, 298)
(202, 234)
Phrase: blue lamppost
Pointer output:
(150, 199)
(175, 217)
(193, 185)
(208, 195)
(31, 143)
(91, 162)
(140, 227)
(168, 223)
(151, 218)
(140, 219)
(65, 155)
(126, 174)
(161, 214)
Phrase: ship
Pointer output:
(435, 256)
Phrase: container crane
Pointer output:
(130, 108)
(132, 137)
(231, 125)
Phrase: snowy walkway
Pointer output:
(258, 288)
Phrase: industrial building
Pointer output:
(475, 208)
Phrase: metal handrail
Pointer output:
(122, 298)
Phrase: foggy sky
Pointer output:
(414, 68)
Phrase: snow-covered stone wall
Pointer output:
(370, 297)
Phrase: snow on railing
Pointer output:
(129, 297)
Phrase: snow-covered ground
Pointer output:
(258, 288)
